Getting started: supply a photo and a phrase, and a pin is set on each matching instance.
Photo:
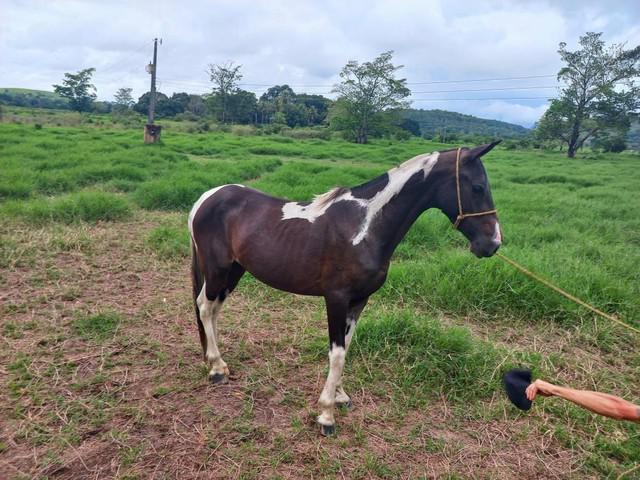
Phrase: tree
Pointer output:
(196, 105)
(598, 93)
(239, 106)
(142, 106)
(78, 89)
(365, 92)
(410, 126)
(225, 78)
(123, 99)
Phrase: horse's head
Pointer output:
(465, 197)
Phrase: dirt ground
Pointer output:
(136, 403)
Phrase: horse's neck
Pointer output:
(398, 216)
(409, 192)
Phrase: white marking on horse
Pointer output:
(317, 207)
(341, 395)
(328, 396)
(209, 311)
(198, 204)
(398, 177)
(497, 236)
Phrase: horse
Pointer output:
(338, 246)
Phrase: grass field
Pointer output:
(101, 365)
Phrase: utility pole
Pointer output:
(152, 131)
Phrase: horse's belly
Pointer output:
(285, 272)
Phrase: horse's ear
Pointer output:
(477, 152)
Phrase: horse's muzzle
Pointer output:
(485, 249)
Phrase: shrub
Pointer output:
(243, 130)
(308, 133)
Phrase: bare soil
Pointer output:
(137, 404)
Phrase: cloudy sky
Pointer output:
(494, 59)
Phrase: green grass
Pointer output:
(88, 206)
(99, 327)
(574, 222)
(170, 241)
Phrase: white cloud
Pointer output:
(525, 115)
(306, 43)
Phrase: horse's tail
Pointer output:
(197, 281)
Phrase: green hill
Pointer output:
(24, 97)
(433, 122)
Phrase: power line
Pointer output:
(532, 87)
(433, 82)
(521, 77)
(529, 87)
(120, 63)
(477, 99)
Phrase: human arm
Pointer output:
(600, 403)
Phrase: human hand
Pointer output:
(539, 387)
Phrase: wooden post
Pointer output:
(151, 131)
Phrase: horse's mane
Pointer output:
(327, 197)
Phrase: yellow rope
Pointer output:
(627, 472)
(565, 294)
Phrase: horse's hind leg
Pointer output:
(219, 282)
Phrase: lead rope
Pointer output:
(461, 216)
(565, 294)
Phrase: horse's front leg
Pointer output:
(337, 308)
(355, 309)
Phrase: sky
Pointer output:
(453, 52)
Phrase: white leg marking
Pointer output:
(209, 311)
(198, 204)
(397, 178)
(328, 396)
(341, 395)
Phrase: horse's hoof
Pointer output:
(327, 430)
(218, 378)
(348, 405)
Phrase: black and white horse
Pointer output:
(337, 246)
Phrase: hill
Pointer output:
(24, 97)
(434, 122)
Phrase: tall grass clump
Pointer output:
(180, 189)
(89, 206)
(170, 242)
(423, 357)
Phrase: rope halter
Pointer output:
(461, 215)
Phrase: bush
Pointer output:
(243, 130)
(308, 133)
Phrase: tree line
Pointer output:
(598, 99)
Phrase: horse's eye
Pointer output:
(477, 188)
